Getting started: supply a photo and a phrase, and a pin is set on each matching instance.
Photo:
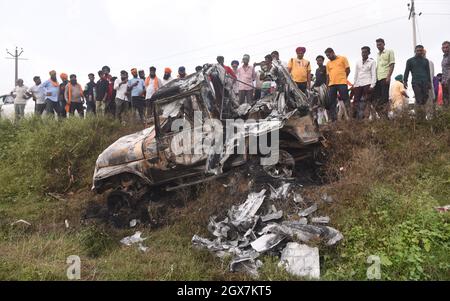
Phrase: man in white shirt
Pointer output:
(20, 99)
(38, 94)
(121, 87)
(365, 81)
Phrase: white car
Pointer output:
(7, 107)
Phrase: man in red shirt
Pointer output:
(228, 70)
(110, 106)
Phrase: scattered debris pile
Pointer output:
(249, 231)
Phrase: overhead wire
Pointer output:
(262, 32)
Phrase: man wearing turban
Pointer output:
(51, 90)
(62, 100)
(300, 70)
(137, 89)
(167, 76)
(399, 96)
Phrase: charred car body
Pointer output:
(139, 163)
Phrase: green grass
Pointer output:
(395, 173)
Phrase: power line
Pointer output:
(294, 34)
(437, 14)
(261, 32)
(204, 57)
(344, 32)
(433, 2)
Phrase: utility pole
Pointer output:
(16, 58)
(412, 16)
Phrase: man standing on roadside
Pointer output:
(167, 76)
(321, 72)
(365, 81)
(121, 87)
(246, 75)
(51, 88)
(228, 70)
(419, 67)
(136, 87)
(276, 58)
(62, 88)
(338, 70)
(152, 84)
(38, 94)
(142, 75)
(74, 97)
(446, 73)
(385, 69)
(20, 99)
(90, 94)
(300, 70)
(110, 106)
(182, 72)
(102, 93)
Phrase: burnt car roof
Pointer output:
(179, 87)
(193, 83)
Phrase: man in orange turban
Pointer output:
(167, 76)
(61, 99)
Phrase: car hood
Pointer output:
(125, 150)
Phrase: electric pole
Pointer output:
(16, 58)
(412, 16)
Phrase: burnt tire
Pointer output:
(284, 169)
(118, 200)
(120, 209)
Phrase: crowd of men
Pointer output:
(373, 91)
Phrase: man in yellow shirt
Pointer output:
(300, 70)
(338, 70)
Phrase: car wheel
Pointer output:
(118, 200)
(284, 168)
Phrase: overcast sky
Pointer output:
(80, 36)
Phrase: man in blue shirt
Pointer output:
(51, 88)
(137, 88)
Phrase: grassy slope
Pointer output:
(393, 174)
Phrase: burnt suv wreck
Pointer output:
(139, 163)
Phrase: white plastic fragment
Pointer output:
(334, 236)
(247, 265)
(21, 221)
(301, 260)
(298, 199)
(66, 223)
(143, 248)
(280, 193)
(321, 220)
(130, 240)
(327, 199)
(249, 208)
(273, 216)
(267, 242)
(133, 223)
(308, 211)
